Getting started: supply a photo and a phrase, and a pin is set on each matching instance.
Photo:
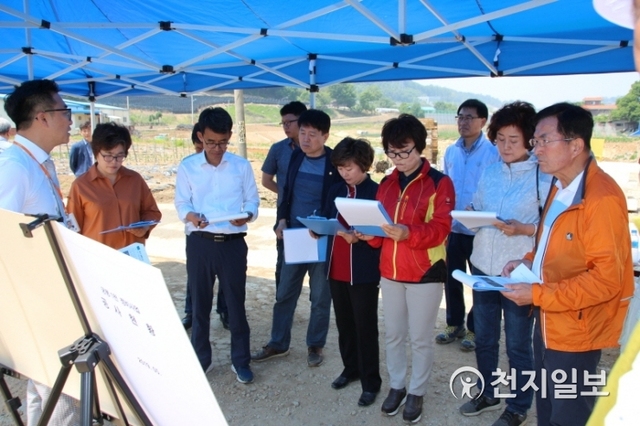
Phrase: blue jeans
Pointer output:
(287, 295)
(488, 307)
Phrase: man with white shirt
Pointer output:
(29, 184)
(212, 184)
(583, 258)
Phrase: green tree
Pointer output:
(414, 109)
(628, 106)
(344, 94)
(445, 106)
(369, 98)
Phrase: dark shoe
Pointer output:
(479, 404)
(450, 333)
(187, 321)
(511, 419)
(267, 352)
(367, 398)
(315, 357)
(394, 401)
(243, 374)
(412, 409)
(342, 382)
(468, 344)
(224, 319)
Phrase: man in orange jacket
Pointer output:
(583, 257)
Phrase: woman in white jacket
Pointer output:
(515, 189)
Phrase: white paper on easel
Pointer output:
(300, 247)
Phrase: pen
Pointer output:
(472, 207)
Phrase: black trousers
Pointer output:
(356, 310)
(206, 260)
(459, 247)
(552, 410)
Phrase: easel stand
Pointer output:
(12, 403)
(86, 354)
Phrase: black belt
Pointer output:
(218, 238)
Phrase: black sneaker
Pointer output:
(314, 357)
(267, 352)
(511, 419)
(451, 333)
(412, 409)
(393, 401)
(479, 404)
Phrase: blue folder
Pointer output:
(321, 225)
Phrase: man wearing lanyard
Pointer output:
(29, 184)
(210, 185)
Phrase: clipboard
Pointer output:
(365, 216)
(476, 219)
(321, 225)
(300, 247)
(134, 225)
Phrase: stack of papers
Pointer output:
(134, 225)
(365, 216)
(521, 274)
(473, 219)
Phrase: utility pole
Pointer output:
(241, 130)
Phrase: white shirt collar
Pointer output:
(34, 149)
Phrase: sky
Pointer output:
(543, 91)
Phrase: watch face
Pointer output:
(620, 12)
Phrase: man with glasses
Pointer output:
(464, 162)
(81, 155)
(277, 163)
(210, 185)
(29, 184)
(583, 258)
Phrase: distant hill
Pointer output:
(397, 91)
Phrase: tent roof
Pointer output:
(106, 47)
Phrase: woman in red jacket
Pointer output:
(419, 200)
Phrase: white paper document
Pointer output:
(141, 224)
(473, 219)
(137, 251)
(366, 216)
(521, 274)
(300, 247)
(228, 217)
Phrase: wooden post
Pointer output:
(241, 131)
(432, 139)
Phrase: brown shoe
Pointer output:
(315, 357)
(267, 352)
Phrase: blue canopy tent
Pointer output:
(100, 48)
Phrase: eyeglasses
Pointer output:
(109, 158)
(399, 154)
(66, 111)
(287, 123)
(465, 118)
(216, 145)
(540, 143)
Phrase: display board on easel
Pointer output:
(126, 303)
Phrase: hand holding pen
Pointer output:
(198, 220)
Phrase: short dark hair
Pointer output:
(194, 134)
(296, 108)
(215, 119)
(519, 114)
(358, 151)
(480, 107)
(28, 99)
(396, 131)
(86, 125)
(107, 136)
(315, 118)
(573, 121)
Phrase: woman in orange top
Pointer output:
(109, 195)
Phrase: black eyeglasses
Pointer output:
(543, 142)
(67, 111)
(216, 145)
(400, 154)
(463, 118)
(287, 123)
(109, 158)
